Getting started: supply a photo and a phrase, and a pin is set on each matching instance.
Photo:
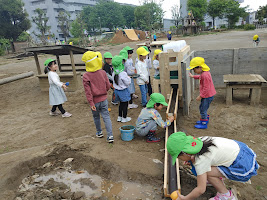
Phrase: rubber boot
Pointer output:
(199, 122)
(203, 125)
(150, 137)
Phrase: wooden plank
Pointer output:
(169, 103)
(73, 65)
(166, 175)
(156, 85)
(164, 74)
(182, 53)
(229, 95)
(255, 96)
(242, 78)
(176, 106)
(235, 61)
(58, 63)
(37, 63)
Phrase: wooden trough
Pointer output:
(74, 78)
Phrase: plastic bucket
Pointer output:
(127, 132)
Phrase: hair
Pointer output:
(207, 143)
(47, 68)
(157, 104)
(116, 79)
(130, 51)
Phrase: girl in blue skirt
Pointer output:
(213, 157)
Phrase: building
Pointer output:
(52, 9)
(207, 19)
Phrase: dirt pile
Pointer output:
(119, 37)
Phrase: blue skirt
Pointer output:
(122, 95)
(244, 167)
(131, 87)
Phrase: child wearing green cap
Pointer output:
(56, 94)
(149, 118)
(213, 157)
(206, 88)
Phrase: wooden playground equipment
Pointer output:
(74, 78)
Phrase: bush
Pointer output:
(240, 27)
(2, 51)
(249, 27)
(75, 41)
(23, 37)
(223, 26)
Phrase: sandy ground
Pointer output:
(30, 138)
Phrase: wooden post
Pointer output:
(37, 63)
(235, 61)
(229, 95)
(164, 74)
(73, 65)
(255, 96)
(58, 63)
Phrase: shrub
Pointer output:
(75, 41)
(249, 27)
(223, 26)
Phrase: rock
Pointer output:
(78, 195)
(18, 198)
(66, 195)
(48, 164)
(68, 160)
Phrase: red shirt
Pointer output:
(206, 86)
(96, 85)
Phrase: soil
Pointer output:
(120, 38)
(34, 144)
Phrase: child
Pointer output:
(149, 118)
(141, 69)
(121, 83)
(96, 86)
(109, 70)
(155, 37)
(213, 157)
(149, 66)
(130, 70)
(56, 94)
(156, 61)
(206, 88)
(256, 40)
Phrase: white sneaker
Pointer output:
(56, 113)
(132, 106)
(127, 119)
(135, 96)
(119, 119)
(66, 114)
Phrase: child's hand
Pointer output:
(93, 108)
(199, 98)
(180, 197)
(64, 87)
(171, 118)
(191, 75)
(146, 82)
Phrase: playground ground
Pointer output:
(32, 143)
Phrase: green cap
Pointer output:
(117, 64)
(146, 48)
(178, 142)
(107, 55)
(156, 98)
(49, 60)
(124, 54)
(127, 48)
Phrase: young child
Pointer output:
(213, 157)
(141, 69)
(206, 88)
(121, 82)
(149, 118)
(256, 40)
(130, 70)
(96, 86)
(109, 70)
(156, 61)
(56, 94)
(155, 37)
(149, 66)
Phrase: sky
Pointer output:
(167, 4)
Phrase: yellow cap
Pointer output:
(141, 51)
(198, 61)
(255, 37)
(156, 52)
(93, 61)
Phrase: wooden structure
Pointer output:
(170, 61)
(249, 81)
(157, 44)
(171, 172)
(189, 24)
(74, 78)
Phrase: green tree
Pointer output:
(261, 13)
(41, 22)
(198, 7)
(233, 11)
(216, 9)
(89, 18)
(176, 15)
(76, 27)
(24, 36)
(64, 23)
(149, 16)
(13, 19)
(128, 15)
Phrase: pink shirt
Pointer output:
(96, 85)
(206, 86)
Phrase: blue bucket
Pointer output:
(127, 132)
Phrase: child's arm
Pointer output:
(156, 116)
(125, 79)
(88, 92)
(108, 85)
(139, 72)
(55, 80)
(194, 76)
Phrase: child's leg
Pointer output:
(106, 118)
(120, 109)
(151, 126)
(143, 89)
(96, 117)
(204, 106)
(131, 101)
(149, 87)
(214, 178)
(60, 107)
(124, 109)
(54, 108)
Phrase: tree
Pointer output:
(64, 23)
(198, 7)
(261, 13)
(89, 18)
(41, 22)
(149, 16)
(216, 9)
(233, 11)
(13, 19)
(76, 27)
(176, 15)
(128, 15)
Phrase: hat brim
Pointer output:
(144, 54)
(202, 65)
(175, 157)
(164, 103)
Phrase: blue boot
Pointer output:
(151, 137)
(199, 122)
(203, 125)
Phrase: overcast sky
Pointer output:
(253, 4)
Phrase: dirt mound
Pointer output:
(119, 38)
